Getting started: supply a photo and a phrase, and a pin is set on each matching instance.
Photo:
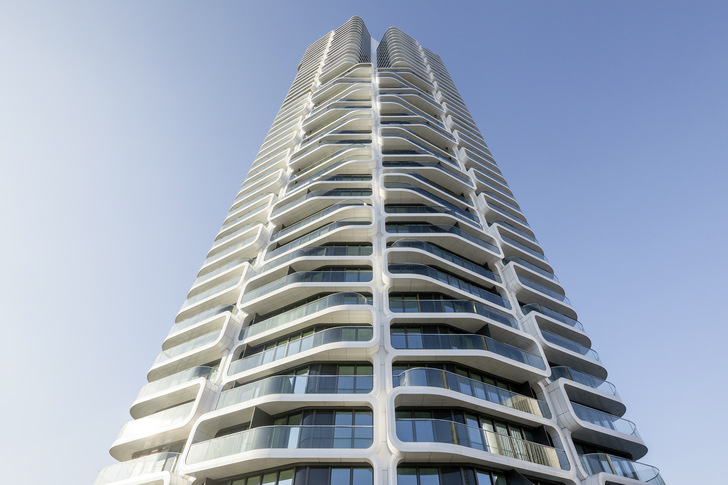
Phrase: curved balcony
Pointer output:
(449, 280)
(570, 345)
(334, 251)
(326, 303)
(287, 437)
(595, 463)
(154, 423)
(316, 216)
(310, 175)
(452, 341)
(188, 346)
(219, 256)
(605, 420)
(395, 228)
(531, 267)
(434, 165)
(327, 149)
(174, 380)
(242, 230)
(485, 179)
(396, 209)
(209, 276)
(455, 210)
(146, 465)
(560, 317)
(315, 234)
(584, 379)
(522, 247)
(296, 384)
(360, 153)
(544, 290)
(245, 209)
(450, 432)
(343, 277)
(222, 287)
(405, 305)
(310, 341)
(200, 317)
(333, 193)
(447, 256)
(442, 379)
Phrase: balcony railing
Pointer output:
(440, 229)
(337, 193)
(595, 463)
(605, 420)
(354, 221)
(159, 462)
(177, 379)
(319, 251)
(455, 210)
(533, 307)
(584, 379)
(532, 267)
(447, 256)
(307, 342)
(188, 346)
(570, 345)
(231, 283)
(154, 422)
(518, 231)
(327, 302)
(292, 384)
(442, 379)
(452, 341)
(282, 437)
(423, 270)
(450, 432)
(406, 305)
(235, 262)
(188, 322)
(436, 165)
(542, 289)
(343, 276)
(524, 248)
(329, 210)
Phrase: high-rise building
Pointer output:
(376, 310)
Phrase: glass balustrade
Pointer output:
(428, 182)
(455, 210)
(245, 209)
(450, 432)
(323, 193)
(518, 231)
(158, 462)
(595, 463)
(605, 420)
(317, 215)
(329, 301)
(524, 248)
(302, 181)
(309, 168)
(187, 346)
(208, 276)
(453, 341)
(421, 269)
(282, 437)
(236, 232)
(221, 254)
(584, 379)
(154, 422)
(351, 276)
(243, 216)
(503, 201)
(447, 256)
(443, 379)
(542, 289)
(169, 382)
(500, 186)
(439, 229)
(533, 307)
(188, 322)
(510, 215)
(570, 345)
(436, 165)
(212, 291)
(319, 251)
(532, 267)
(326, 130)
(414, 305)
(307, 342)
(296, 384)
(354, 221)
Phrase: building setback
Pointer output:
(376, 310)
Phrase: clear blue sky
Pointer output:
(127, 127)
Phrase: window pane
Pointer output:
(406, 476)
(362, 476)
(285, 477)
(269, 478)
(483, 478)
(340, 476)
(429, 476)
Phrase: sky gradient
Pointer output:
(126, 129)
